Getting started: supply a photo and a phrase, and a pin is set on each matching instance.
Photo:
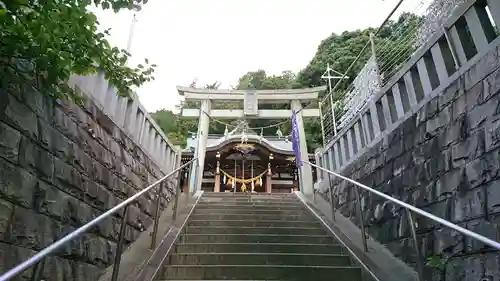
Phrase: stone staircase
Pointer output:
(259, 237)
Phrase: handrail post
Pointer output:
(188, 177)
(361, 219)
(332, 199)
(420, 265)
(176, 200)
(188, 192)
(37, 271)
(159, 193)
(119, 247)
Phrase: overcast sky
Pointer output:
(220, 40)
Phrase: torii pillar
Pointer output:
(201, 147)
(305, 171)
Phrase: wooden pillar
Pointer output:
(185, 184)
(268, 179)
(217, 175)
(295, 181)
(217, 182)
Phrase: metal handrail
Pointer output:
(408, 208)
(39, 257)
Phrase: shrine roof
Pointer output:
(275, 144)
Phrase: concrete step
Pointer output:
(248, 195)
(260, 259)
(250, 207)
(256, 238)
(258, 248)
(253, 230)
(276, 212)
(254, 223)
(264, 272)
(250, 199)
(252, 216)
(253, 200)
(252, 203)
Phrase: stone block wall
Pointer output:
(438, 149)
(445, 159)
(62, 165)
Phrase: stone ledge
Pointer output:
(138, 255)
(378, 259)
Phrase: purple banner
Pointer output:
(296, 139)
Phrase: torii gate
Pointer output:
(252, 99)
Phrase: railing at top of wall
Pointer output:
(394, 43)
(131, 116)
(467, 36)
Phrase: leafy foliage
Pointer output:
(176, 128)
(259, 80)
(437, 262)
(398, 50)
(337, 50)
(341, 50)
(53, 39)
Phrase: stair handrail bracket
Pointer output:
(38, 258)
(409, 208)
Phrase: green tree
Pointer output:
(49, 40)
(399, 49)
(259, 80)
(340, 51)
(174, 126)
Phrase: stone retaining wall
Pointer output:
(444, 159)
(431, 138)
(61, 166)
